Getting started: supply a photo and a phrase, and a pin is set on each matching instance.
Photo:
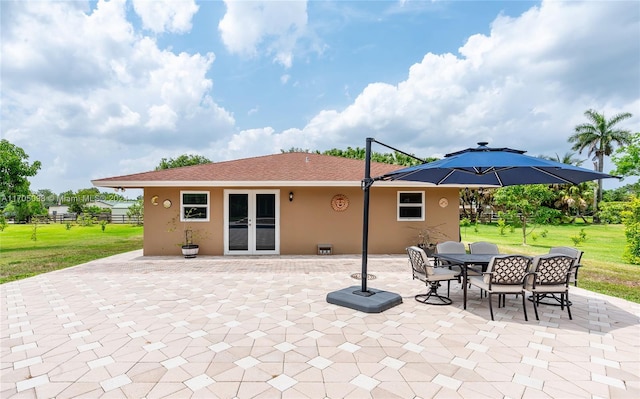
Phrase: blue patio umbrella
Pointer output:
(482, 167)
(494, 167)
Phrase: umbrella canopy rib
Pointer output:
(494, 167)
(555, 176)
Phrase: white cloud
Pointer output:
(123, 117)
(95, 86)
(273, 27)
(75, 56)
(79, 85)
(123, 79)
(166, 15)
(161, 117)
(525, 86)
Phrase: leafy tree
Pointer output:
(14, 171)
(296, 149)
(86, 219)
(627, 159)
(395, 158)
(35, 207)
(107, 196)
(474, 201)
(182, 160)
(623, 193)
(631, 220)
(84, 196)
(573, 200)
(598, 136)
(569, 158)
(24, 209)
(76, 208)
(525, 203)
(47, 197)
(611, 212)
(136, 212)
(65, 198)
(95, 210)
(353, 153)
(77, 201)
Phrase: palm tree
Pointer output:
(599, 136)
(568, 158)
(571, 199)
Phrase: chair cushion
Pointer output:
(472, 271)
(440, 274)
(495, 288)
(547, 288)
(419, 276)
(423, 269)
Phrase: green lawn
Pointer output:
(603, 269)
(56, 247)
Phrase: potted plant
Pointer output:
(189, 249)
(428, 237)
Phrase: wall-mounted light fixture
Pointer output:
(290, 196)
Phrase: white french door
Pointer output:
(252, 222)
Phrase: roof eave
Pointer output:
(209, 183)
(272, 183)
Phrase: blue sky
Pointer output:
(98, 89)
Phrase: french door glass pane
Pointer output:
(265, 222)
(238, 222)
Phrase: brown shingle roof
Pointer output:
(286, 167)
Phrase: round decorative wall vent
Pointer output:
(339, 202)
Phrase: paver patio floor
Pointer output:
(131, 326)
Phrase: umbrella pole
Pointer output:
(360, 298)
(366, 184)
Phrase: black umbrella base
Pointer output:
(370, 301)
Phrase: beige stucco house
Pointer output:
(286, 204)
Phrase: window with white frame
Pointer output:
(410, 205)
(194, 206)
